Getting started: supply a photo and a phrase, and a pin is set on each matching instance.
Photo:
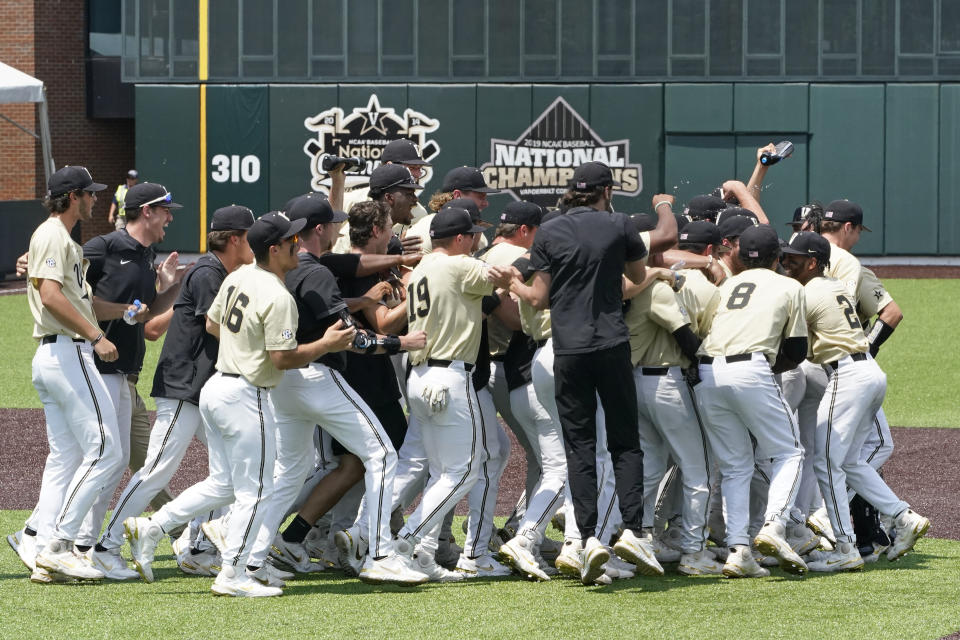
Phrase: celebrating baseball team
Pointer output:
(688, 389)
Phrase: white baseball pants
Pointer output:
(482, 498)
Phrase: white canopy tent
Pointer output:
(18, 87)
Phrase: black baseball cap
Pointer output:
(760, 241)
(149, 194)
(470, 206)
(845, 211)
(590, 175)
(70, 179)
(643, 222)
(522, 212)
(314, 209)
(403, 151)
(810, 245)
(734, 226)
(466, 179)
(705, 207)
(729, 212)
(233, 218)
(133, 174)
(800, 215)
(682, 221)
(271, 228)
(391, 176)
(702, 232)
(451, 221)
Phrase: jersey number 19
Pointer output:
(418, 303)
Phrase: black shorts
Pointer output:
(394, 422)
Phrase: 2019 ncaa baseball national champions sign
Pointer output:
(538, 164)
(363, 134)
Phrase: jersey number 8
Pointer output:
(421, 306)
(235, 315)
(740, 295)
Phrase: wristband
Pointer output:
(94, 342)
(391, 344)
(666, 202)
(710, 261)
(489, 303)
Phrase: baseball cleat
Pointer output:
(771, 542)
(595, 556)
(518, 553)
(499, 538)
(910, 527)
(143, 536)
(549, 549)
(617, 568)
(14, 541)
(872, 553)
(570, 562)
(844, 558)
(216, 533)
(484, 566)
(42, 576)
(352, 548)
(701, 563)
(230, 583)
(60, 557)
(319, 547)
(269, 575)
(740, 564)
(111, 564)
(638, 551)
(293, 555)
(819, 523)
(801, 539)
(202, 563)
(393, 569)
(663, 552)
(26, 548)
(424, 562)
(183, 543)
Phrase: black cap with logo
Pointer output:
(643, 222)
(730, 212)
(810, 245)
(705, 207)
(272, 228)
(70, 179)
(470, 206)
(590, 175)
(233, 218)
(452, 221)
(466, 179)
(522, 212)
(403, 151)
(759, 242)
(149, 194)
(314, 209)
(391, 176)
(701, 232)
(844, 211)
(735, 226)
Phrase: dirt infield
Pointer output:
(921, 470)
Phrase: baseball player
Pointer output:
(255, 319)
(186, 362)
(81, 422)
(460, 182)
(760, 321)
(855, 391)
(444, 299)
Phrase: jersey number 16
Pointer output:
(235, 315)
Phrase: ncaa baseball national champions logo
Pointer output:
(538, 165)
(363, 134)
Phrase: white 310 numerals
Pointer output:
(234, 168)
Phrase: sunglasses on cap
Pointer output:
(160, 202)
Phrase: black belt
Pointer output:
(431, 362)
(654, 371)
(740, 357)
(540, 343)
(53, 338)
(230, 375)
(854, 356)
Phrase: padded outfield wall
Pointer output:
(892, 147)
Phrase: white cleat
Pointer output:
(111, 564)
(910, 527)
(204, 563)
(270, 576)
(26, 548)
(230, 583)
(318, 546)
(484, 566)
(638, 551)
(595, 556)
(663, 552)
(844, 558)
(802, 539)
(59, 557)
(424, 562)
(215, 530)
(618, 569)
(518, 553)
(771, 541)
(42, 576)
(701, 563)
(293, 555)
(819, 523)
(352, 548)
(570, 560)
(740, 564)
(143, 536)
(393, 569)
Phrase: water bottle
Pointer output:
(129, 314)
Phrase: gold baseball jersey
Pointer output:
(699, 297)
(535, 324)
(835, 331)
(872, 297)
(758, 309)
(256, 314)
(652, 317)
(362, 194)
(845, 268)
(727, 271)
(645, 236)
(55, 256)
(443, 299)
(421, 229)
(500, 255)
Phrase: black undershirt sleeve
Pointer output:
(793, 351)
(688, 342)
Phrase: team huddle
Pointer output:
(686, 387)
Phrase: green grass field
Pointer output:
(922, 380)
(914, 598)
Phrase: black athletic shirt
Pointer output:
(189, 353)
(584, 252)
(318, 302)
(121, 270)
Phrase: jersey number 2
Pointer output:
(740, 295)
(849, 312)
(421, 305)
(235, 315)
